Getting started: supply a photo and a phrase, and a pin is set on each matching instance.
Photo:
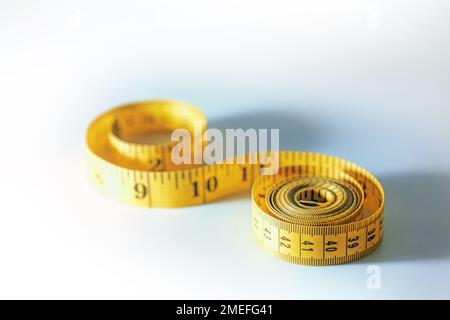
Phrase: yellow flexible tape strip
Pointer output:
(317, 210)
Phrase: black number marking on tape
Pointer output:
(141, 190)
(211, 184)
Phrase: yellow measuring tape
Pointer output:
(317, 210)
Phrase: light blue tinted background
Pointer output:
(364, 80)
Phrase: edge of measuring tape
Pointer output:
(317, 210)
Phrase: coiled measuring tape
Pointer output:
(317, 210)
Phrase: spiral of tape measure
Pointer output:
(317, 210)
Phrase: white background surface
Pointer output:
(365, 80)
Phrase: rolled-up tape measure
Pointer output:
(317, 210)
